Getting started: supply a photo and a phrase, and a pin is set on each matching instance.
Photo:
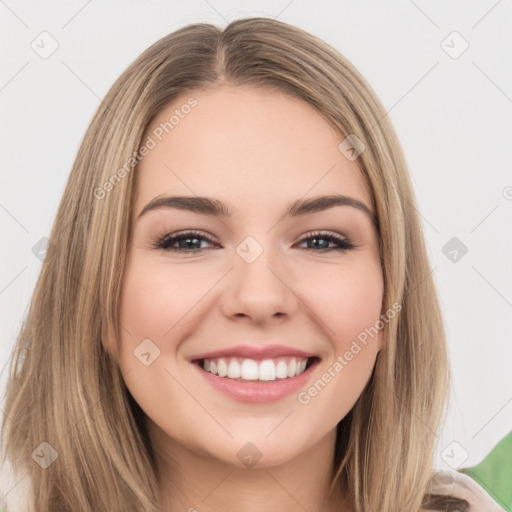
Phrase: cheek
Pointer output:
(157, 296)
(360, 304)
(348, 301)
(156, 299)
(349, 304)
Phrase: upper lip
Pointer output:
(254, 352)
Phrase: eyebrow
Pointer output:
(214, 207)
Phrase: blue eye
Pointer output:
(186, 242)
(189, 242)
(342, 243)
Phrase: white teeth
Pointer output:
(250, 369)
(292, 368)
(281, 370)
(222, 368)
(267, 370)
(234, 370)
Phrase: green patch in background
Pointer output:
(494, 473)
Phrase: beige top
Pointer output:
(460, 485)
(15, 492)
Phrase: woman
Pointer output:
(236, 308)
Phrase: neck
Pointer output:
(195, 481)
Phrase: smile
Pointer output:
(256, 381)
(251, 369)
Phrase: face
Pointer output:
(255, 278)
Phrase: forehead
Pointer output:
(244, 145)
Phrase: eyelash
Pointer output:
(168, 240)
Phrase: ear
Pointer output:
(109, 341)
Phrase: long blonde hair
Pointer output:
(65, 390)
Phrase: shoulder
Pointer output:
(494, 473)
(459, 485)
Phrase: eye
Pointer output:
(188, 242)
(342, 243)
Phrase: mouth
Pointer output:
(265, 371)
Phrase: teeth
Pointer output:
(222, 368)
(267, 370)
(250, 369)
(233, 370)
(281, 370)
(292, 368)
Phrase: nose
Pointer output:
(261, 291)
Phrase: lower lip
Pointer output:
(257, 391)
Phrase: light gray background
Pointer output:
(453, 116)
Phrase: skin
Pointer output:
(256, 150)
